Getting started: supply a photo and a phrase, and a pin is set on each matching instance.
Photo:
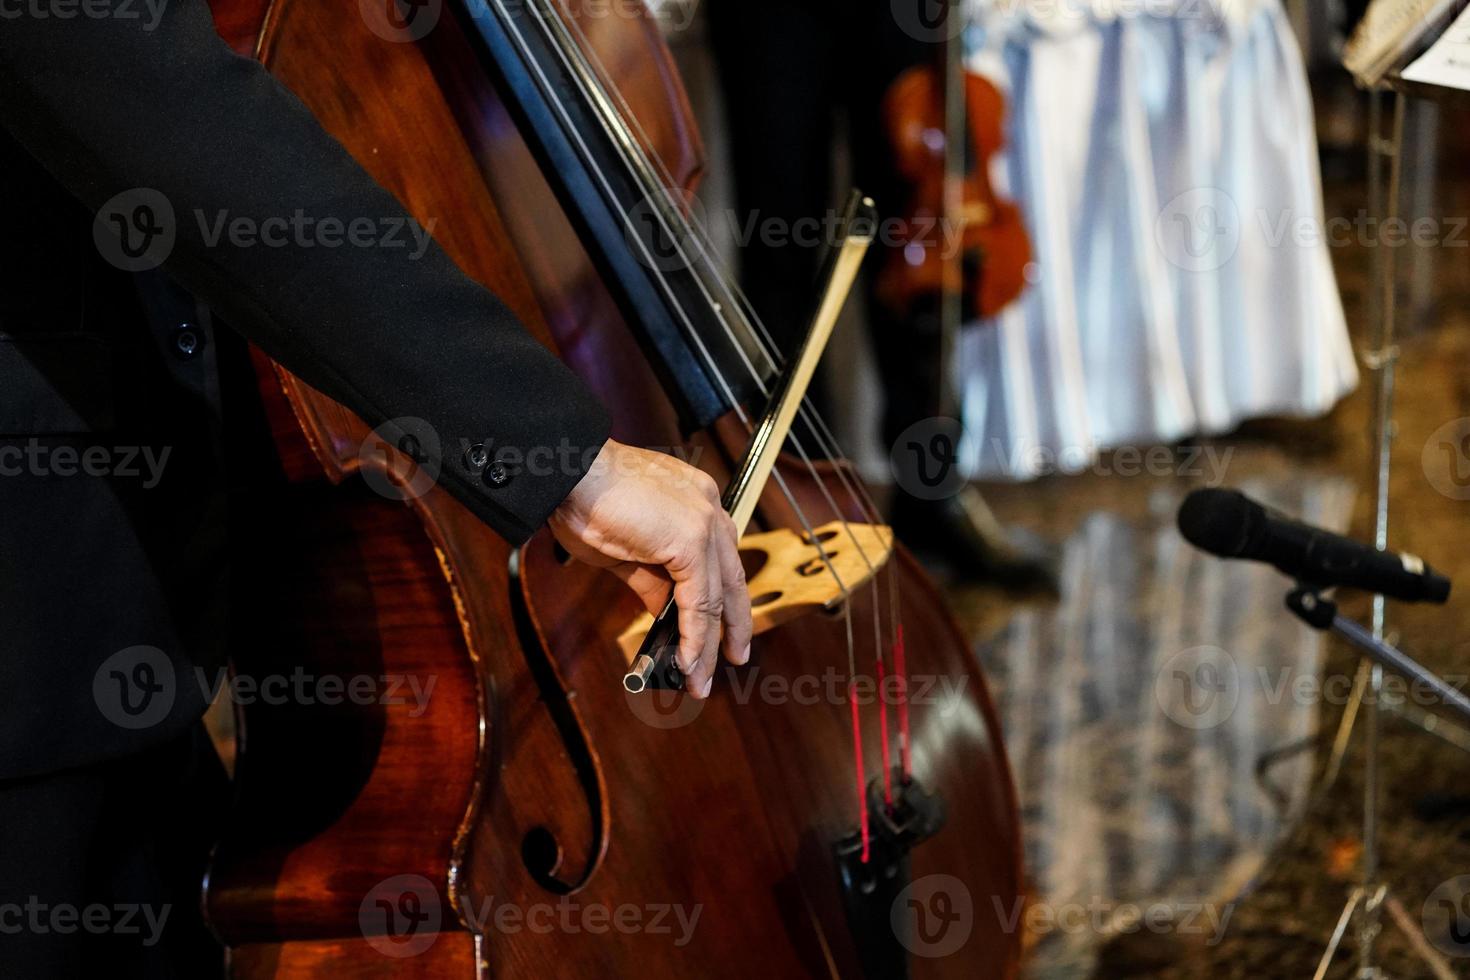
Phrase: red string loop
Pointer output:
(857, 744)
(883, 731)
(900, 667)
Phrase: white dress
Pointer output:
(1166, 163)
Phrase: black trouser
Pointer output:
(101, 867)
(791, 70)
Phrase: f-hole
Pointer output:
(541, 853)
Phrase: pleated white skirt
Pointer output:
(1167, 168)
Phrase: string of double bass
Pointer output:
(581, 50)
(726, 284)
(567, 52)
(690, 330)
(574, 52)
(826, 442)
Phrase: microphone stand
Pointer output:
(1370, 898)
(1320, 612)
(1382, 358)
(1371, 895)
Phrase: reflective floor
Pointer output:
(1151, 714)
(1137, 709)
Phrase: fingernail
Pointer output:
(745, 656)
(709, 682)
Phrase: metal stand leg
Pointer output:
(1383, 359)
(1342, 923)
(1366, 902)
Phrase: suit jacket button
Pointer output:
(497, 475)
(188, 341)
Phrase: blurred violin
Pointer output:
(944, 125)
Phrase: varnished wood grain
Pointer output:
(529, 736)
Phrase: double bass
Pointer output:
(841, 807)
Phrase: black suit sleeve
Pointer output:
(112, 105)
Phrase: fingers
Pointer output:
(720, 531)
(645, 516)
(737, 613)
(720, 597)
(710, 612)
(700, 597)
(734, 598)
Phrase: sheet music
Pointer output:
(1447, 62)
(1388, 31)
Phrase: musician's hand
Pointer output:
(656, 523)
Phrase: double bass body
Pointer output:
(527, 817)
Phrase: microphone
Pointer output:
(1229, 524)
